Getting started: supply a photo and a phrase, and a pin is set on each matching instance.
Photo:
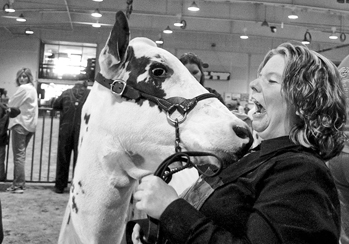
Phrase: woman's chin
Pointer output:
(260, 124)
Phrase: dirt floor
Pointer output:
(33, 217)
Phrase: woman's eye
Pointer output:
(273, 81)
(158, 71)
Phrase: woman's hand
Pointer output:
(153, 196)
(136, 239)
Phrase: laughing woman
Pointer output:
(282, 193)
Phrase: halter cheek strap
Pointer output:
(182, 105)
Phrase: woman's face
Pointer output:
(194, 70)
(23, 79)
(272, 118)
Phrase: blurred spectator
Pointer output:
(70, 104)
(4, 98)
(195, 66)
(233, 105)
(246, 108)
(23, 126)
(5, 114)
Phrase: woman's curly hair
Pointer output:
(312, 85)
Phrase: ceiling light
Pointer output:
(168, 30)
(293, 15)
(182, 23)
(307, 38)
(96, 25)
(8, 8)
(333, 36)
(160, 41)
(265, 23)
(193, 7)
(21, 18)
(244, 36)
(179, 23)
(29, 31)
(96, 13)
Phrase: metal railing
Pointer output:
(41, 156)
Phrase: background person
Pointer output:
(196, 67)
(70, 104)
(5, 114)
(23, 126)
(283, 193)
(339, 165)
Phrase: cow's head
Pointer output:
(155, 72)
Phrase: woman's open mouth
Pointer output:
(259, 108)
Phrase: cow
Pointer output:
(142, 98)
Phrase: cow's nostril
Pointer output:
(242, 132)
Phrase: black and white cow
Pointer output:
(126, 134)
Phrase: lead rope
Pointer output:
(167, 176)
(177, 139)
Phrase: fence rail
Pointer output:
(41, 157)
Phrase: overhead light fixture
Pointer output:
(293, 15)
(96, 25)
(244, 36)
(29, 31)
(333, 36)
(265, 23)
(178, 24)
(8, 8)
(181, 23)
(193, 7)
(96, 13)
(21, 18)
(168, 30)
(160, 41)
(307, 38)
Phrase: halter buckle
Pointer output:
(120, 86)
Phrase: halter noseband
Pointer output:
(170, 105)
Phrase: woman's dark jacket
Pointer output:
(289, 198)
(5, 114)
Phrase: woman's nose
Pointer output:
(254, 85)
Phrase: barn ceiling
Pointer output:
(216, 17)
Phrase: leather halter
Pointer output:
(170, 105)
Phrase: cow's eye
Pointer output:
(159, 71)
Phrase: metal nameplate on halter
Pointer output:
(121, 88)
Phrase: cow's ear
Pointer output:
(119, 37)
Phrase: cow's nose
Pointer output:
(243, 133)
